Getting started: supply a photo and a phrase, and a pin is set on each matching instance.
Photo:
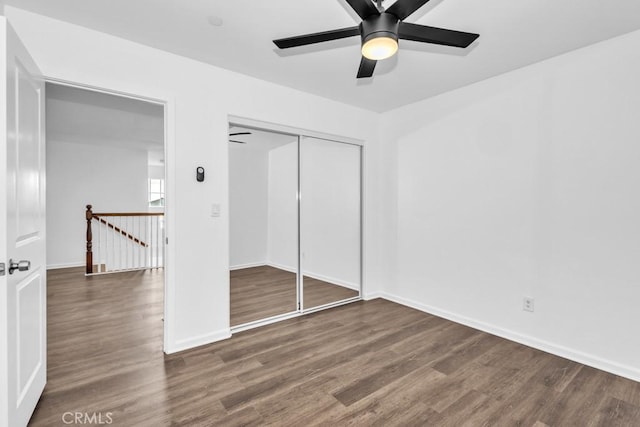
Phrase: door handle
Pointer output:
(20, 265)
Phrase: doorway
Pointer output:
(295, 204)
(106, 151)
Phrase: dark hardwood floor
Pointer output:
(367, 363)
(261, 292)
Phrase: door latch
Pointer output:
(20, 265)
(1, 268)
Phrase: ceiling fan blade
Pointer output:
(366, 67)
(239, 133)
(364, 8)
(237, 142)
(324, 36)
(423, 33)
(404, 8)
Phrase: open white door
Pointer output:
(23, 313)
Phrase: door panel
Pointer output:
(263, 226)
(29, 327)
(330, 221)
(22, 222)
(29, 147)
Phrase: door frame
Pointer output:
(301, 133)
(168, 103)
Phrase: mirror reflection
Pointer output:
(263, 221)
(330, 228)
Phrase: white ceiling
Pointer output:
(512, 34)
(87, 117)
(259, 139)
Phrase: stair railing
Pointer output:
(124, 241)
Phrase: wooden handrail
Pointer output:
(128, 213)
(121, 231)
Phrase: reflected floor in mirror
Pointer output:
(261, 292)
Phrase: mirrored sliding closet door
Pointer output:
(263, 224)
(330, 221)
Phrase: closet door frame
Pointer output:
(301, 133)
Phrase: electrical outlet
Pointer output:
(527, 304)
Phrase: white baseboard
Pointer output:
(59, 266)
(249, 265)
(556, 349)
(281, 267)
(332, 280)
(197, 341)
(374, 295)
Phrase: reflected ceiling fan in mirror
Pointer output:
(233, 134)
(380, 31)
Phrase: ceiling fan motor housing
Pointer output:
(383, 25)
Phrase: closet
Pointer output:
(295, 224)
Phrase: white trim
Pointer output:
(263, 322)
(373, 295)
(332, 281)
(197, 341)
(281, 267)
(62, 82)
(290, 130)
(556, 349)
(291, 315)
(249, 265)
(363, 220)
(168, 101)
(169, 220)
(70, 265)
(316, 276)
(330, 305)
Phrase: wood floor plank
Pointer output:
(465, 353)
(397, 403)
(366, 386)
(581, 399)
(364, 364)
(617, 413)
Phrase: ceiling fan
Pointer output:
(237, 134)
(380, 30)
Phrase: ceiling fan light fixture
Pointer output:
(381, 47)
(380, 30)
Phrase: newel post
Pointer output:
(89, 216)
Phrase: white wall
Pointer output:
(248, 201)
(156, 172)
(528, 185)
(201, 98)
(283, 207)
(109, 178)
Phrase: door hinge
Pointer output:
(2, 267)
(166, 240)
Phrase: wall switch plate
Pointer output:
(527, 304)
(215, 210)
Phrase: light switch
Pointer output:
(215, 210)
